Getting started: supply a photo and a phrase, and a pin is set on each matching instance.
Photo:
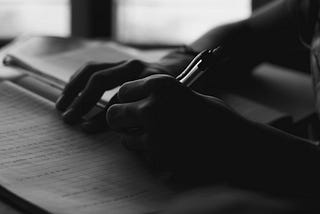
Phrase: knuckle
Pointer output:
(97, 80)
(88, 69)
(123, 90)
(84, 71)
(135, 64)
(136, 68)
(89, 66)
(161, 82)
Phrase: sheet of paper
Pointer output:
(7, 73)
(57, 59)
(61, 57)
(65, 171)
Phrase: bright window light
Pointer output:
(45, 17)
(174, 21)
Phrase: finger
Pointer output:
(98, 83)
(96, 124)
(125, 118)
(78, 82)
(139, 89)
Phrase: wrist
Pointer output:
(175, 61)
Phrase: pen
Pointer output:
(199, 65)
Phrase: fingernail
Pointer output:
(60, 105)
(70, 116)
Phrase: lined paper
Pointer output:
(60, 57)
(55, 59)
(65, 171)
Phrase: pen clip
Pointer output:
(211, 57)
(192, 64)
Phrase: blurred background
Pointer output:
(139, 22)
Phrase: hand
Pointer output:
(175, 126)
(88, 85)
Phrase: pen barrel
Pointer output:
(203, 62)
(193, 76)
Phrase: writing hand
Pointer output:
(176, 126)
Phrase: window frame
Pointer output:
(91, 18)
(95, 19)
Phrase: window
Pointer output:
(173, 21)
(46, 17)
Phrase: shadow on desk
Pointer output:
(273, 95)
